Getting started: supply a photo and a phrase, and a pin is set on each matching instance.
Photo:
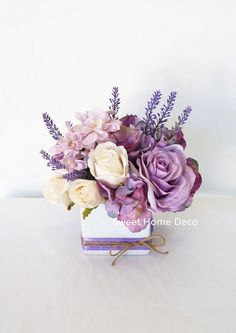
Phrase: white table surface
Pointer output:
(47, 285)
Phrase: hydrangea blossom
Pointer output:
(128, 203)
(95, 126)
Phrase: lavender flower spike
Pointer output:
(166, 109)
(82, 174)
(150, 117)
(182, 119)
(52, 162)
(53, 129)
(115, 100)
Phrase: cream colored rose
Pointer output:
(109, 162)
(56, 190)
(85, 193)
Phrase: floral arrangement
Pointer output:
(133, 166)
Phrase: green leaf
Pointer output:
(87, 211)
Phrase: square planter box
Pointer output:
(98, 230)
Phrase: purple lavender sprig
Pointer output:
(82, 174)
(53, 129)
(52, 162)
(115, 101)
(166, 110)
(182, 119)
(150, 118)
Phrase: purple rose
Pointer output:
(128, 203)
(169, 178)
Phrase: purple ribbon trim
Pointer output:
(102, 246)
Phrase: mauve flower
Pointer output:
(128, 203)
(174, 138)
(127, 137)
(170, 180)
(144, 144)
(130, 120)
(95, 126)
(134, 141)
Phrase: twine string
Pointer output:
(142, 242)
(146, 242)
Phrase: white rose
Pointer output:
(85, 193)
(56, 190)
(109, 162)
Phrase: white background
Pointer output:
(64, 56)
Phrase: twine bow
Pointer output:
(143, 242)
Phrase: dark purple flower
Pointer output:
(134, 141)
(144, 144)
(176, 137)
(127, 137)
(169, 178)
(130, 120)
(128, 203)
